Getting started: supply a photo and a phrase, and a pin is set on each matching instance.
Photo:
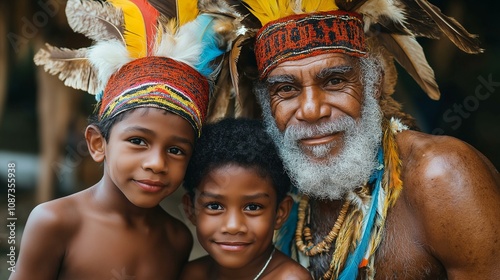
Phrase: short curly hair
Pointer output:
(243, 142)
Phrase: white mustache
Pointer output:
(297, 132)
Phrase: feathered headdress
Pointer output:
(390, 24)
(145, 54)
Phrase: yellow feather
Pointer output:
(187, 10)
(269, 10)
(318, 6)
(392, 163)
(135, 31)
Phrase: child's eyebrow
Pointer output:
(151, 132)
(210, 195)
(218, 196)
(139, 128)
(257, 195)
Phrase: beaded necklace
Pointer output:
(360, 230)
(303, 232)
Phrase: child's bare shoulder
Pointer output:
(287, 269)
(177, 232)
(61, 215)
(197, 269)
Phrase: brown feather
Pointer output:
(349, 5)
(168, 8)
(97, 20)
(221, 103)
(410, 55)
(452, 29)
(71, 66)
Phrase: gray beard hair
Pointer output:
(335, 177)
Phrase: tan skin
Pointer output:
(116, 229)
(446, 222)
(235, 211)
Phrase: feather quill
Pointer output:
(96, 20)
(452, 29)
(222, 103)
(71, 66)
(410, 55)
(234, 56)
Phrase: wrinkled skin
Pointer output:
(446, 222)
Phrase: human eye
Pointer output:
(253, 207)
(137, 141)
(334, 81)
(175, 151)
(213, 206)
(286, 91)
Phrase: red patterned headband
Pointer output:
(158, 82)
(299, 36)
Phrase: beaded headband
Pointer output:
(298, 36)
(157, 82)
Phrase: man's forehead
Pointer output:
(318, 62)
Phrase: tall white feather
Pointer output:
(183, 44)
(107, 57)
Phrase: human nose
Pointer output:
(312, 105)
(155, 161)
(234, 223)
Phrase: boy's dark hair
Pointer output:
(242, 142)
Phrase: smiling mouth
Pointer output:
(232, 246)
(150, 186)
(319, 140)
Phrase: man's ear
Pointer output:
(188, 206)
(283, 212)
(96, 143)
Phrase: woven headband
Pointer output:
(299, 36)
(157, 82)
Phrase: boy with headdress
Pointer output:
(152, 78)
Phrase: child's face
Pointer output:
(147, 155)
(235, 213)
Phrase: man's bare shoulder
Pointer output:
(451, 194)
(434, 157)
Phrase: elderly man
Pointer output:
(378, 200)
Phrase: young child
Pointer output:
(236, 197)
(149, 114)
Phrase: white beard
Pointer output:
(332, 178)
